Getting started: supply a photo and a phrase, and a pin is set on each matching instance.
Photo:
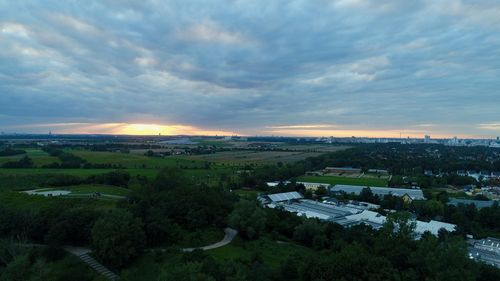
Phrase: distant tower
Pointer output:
(427, 139)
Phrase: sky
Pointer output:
(256, 67)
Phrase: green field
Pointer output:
(134, 161)
(38, 156)
(344, 180)
(23, 201)
(91, 188)
(253, 157)
(19, 179)
(75, 172)
(87, 191)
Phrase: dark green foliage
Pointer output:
(248, 219)
(40, 264)
(63, 180)
(39, 219)
(168, 179)
(68, 160)
(118, 238)
(308, 232)
(173, 203)
(24, 162)
(11, 152)
(117, 178)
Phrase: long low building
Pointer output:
(377, 220)
(479, 204)
(486, 250)
(343, 214)
(314, 209)
(414, 194)
(313, 185)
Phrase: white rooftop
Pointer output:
(415, 194)
(279, 197)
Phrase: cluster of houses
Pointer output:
(346, 214)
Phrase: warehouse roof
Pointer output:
(478, 203)
(279, 197)
(415, 194)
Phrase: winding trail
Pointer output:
(230, 233)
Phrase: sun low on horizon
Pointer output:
(144, 129)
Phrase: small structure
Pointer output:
(342, 170)
(276, 183)
(314, 173)
(314, 185)
(378, 171)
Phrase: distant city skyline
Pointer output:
(287, 68)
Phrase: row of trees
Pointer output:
(24, 162)
(8, 151)
(410, 159)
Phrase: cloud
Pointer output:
(490, 126)
(210, 31)
(309, 126)
(252, 67)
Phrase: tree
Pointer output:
(321, 191)
(168, 179)
(118, 238)
(248, 219)
(446, 260)
(307, 232)
(400, 225)
(366, 195)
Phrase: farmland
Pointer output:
(39, 157)
(253, 157)
(133, 161)
(365, 181)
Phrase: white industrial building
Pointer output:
(344, 214)
(414, 194)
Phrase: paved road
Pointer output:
(228, 238)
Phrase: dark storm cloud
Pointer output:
(248, 66)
